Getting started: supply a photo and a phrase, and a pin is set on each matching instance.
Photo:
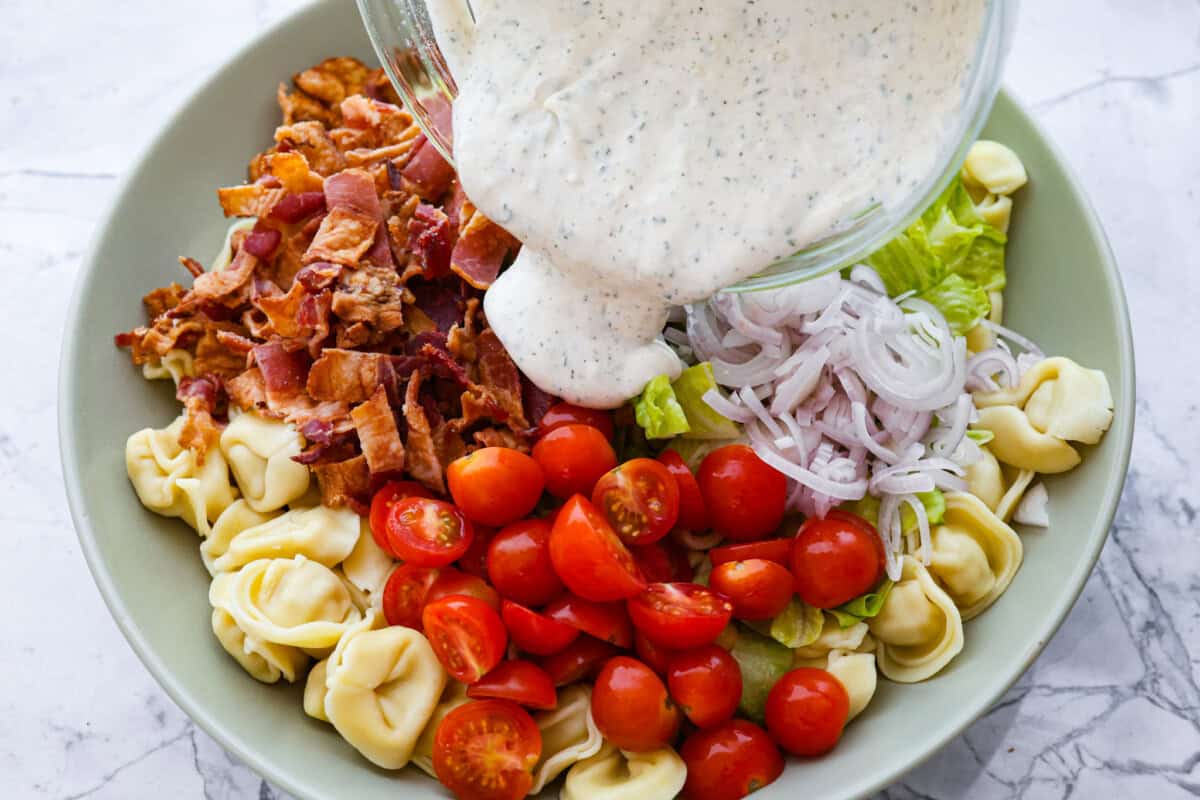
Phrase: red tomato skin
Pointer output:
(572, 458)
(806, 711)
(405, 593)
(415, 531)
(655, 657)
(466, 635)
(744, 496)
(567, 414)
(472, 737)
(758, 589)
(522, 682)
(835, 560)
(474, 561)
(495, 485)
(608, 622)
(581, 659)
(535, 633)
(706, 683)
(693, 513)
(588, 556)
(387, 496)
(631, 707)
(451, 581)
(640, 500)
(662, 562)
(777, 550)
(519, 563)
(729, 761)
(666, 615)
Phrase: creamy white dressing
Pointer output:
(649, 153)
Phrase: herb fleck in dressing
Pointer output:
(652, 152)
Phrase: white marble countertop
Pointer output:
(1111, 709)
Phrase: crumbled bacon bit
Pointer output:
(378, 434)
(345, 483)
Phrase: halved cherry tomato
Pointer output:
(452, 581)
(656, 658)
(589, 557)
(566, 414)
(777, 550)
(573, 457)
(729, 761)
(662, 562)
(405, 593)
(495, 485)
(606, 621)
(431, 533)
(806, 711)
(381, 504)
(745, 497)
(474, 561)
(519, 563)
(631, 707)
(581, 659)
(678, 616)
(520, 681)
(640, 500)
(466, 635)
(693, 513)
(486, 750)
(706, 683)
(535, 633)
(758, 589)
(836, 559)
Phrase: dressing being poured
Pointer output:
(649, 153)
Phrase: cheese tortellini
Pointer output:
(569, 735)
(169, 480)
(453, 696)
(985, 480)
(259, 451)
(235, 519)
(856, 672)
(322, 534)
(296, 602)
(833, 637)
(993, 167)
(174, 364)
(614, 774)
(368, 566)
(264, 661)
(1021, 445)
(315, 690)
(382, 688)
(919, 629)
(975, 555)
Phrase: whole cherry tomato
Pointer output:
(588, 556)
(466, 635)
(706, 683)
(777, 550)
(693, 513)
(474, 561)
(744, 496)
(535, 633)
(381, 505)
(519, 563)
(678, 616)
(495, 485)
(566, 414)
(806, 711)
(758, 589)
(662, 562)
(405, 593)
(573, 457)
(581, 659)
(486, 750)
(655, 657)
(631, 707)
(452, 581)
(729, 761)
(431, 533)
(520, 681)
(836, 559)
(608, 622)
(640, 500)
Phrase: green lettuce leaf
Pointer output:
(693, 451)
(934, 502)
(763, 661)
(980, 437)
(862, 607)
(799, 625)
(908, 262)
(658, 411)
(962, 302)
(704, 423)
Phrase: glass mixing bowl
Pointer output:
(403, 37)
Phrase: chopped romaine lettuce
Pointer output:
(980, 437)
(704, 423)
(693, 451)
(763, 661)
(962, 302)
(799, 625)
(658, 411)
(862, 607)
(908, 262)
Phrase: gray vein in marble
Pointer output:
(1148, 82)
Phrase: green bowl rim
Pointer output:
(1122, 431)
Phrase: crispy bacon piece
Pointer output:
(226, 286)
(344, 237)
(430, 238)
(423, 463)
(333, 80)
(378, 124)
(345, 483)
(427, 173)
(535, 401)
(371, 296)
(499, 376)
(248, 391)
(350, 376)
(200, 398)
(378, 434)
(502, 437)
(480, 251)
(310, 139)
(284, 372)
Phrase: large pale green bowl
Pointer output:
(1064, 292)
